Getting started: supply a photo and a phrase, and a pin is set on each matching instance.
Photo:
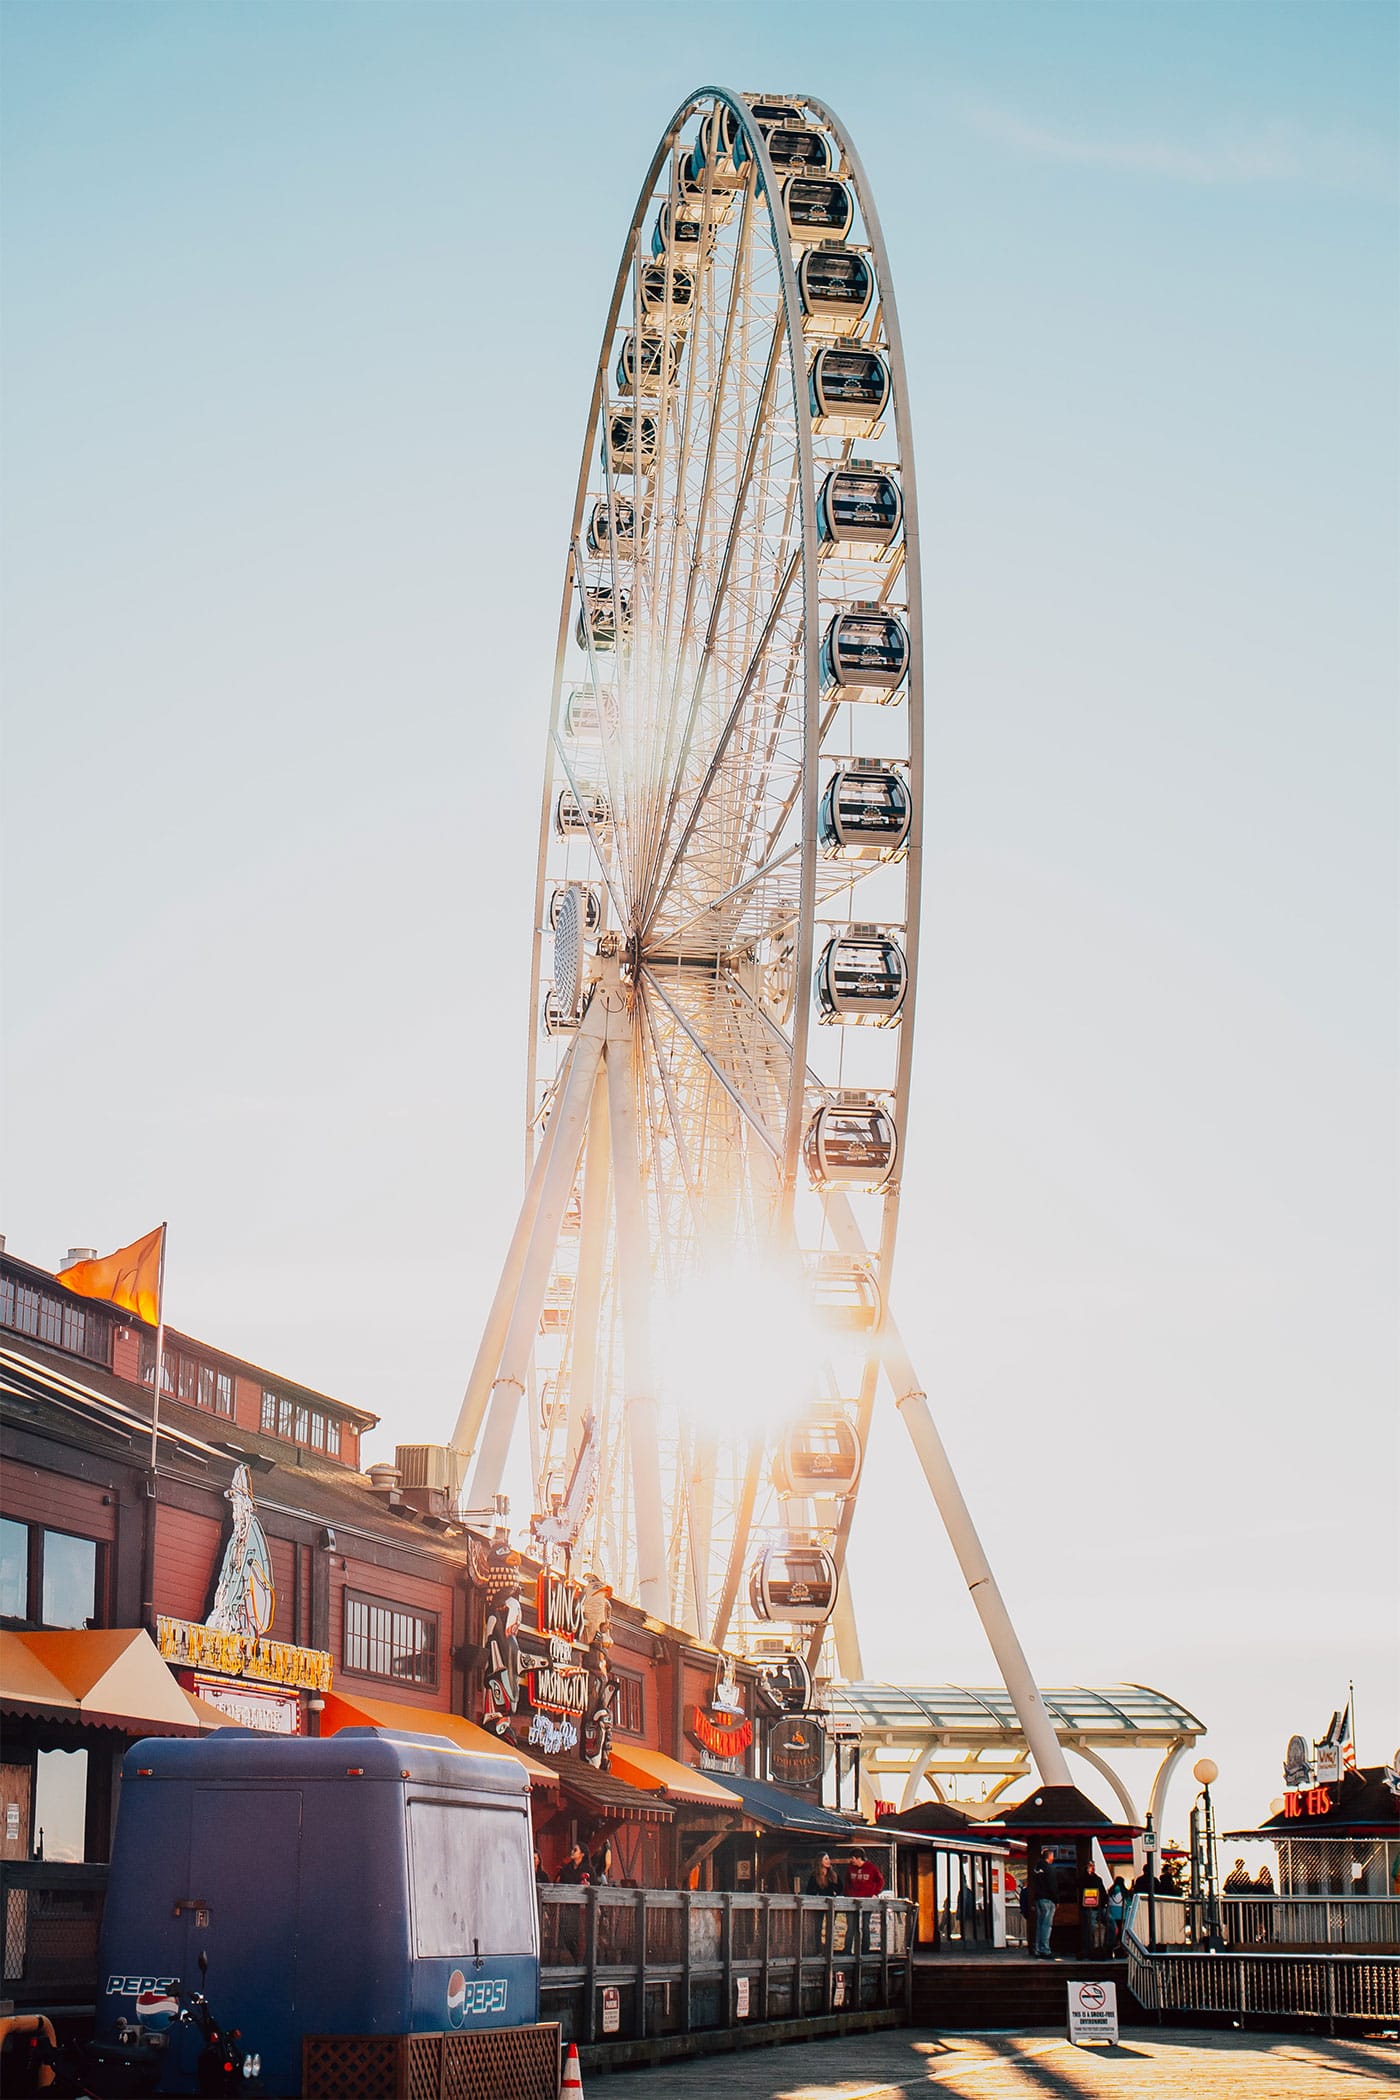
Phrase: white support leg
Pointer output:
(563, 1142)
(639, 1386)
(912, 1402)
(588, 1294)
(488, 1355)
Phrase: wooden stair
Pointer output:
(1007, 1990)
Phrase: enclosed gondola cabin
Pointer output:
(865, 654)
(713, 151)
(799, 149)
(681, 229)
(585, 894)
(793, 1583)
(650, 366)
(588, 711)
(666, 292)
(845, 1295)
(848, 391)
(861, 979)
(767, 112)
(818, 1456)
(860, 509)
(558, 1303)
(630, 438)
(570, 820)
(699, 189)
(851, 1143)
(557, 1018)
(602, 618)
(618, 527)
(817, 208)
(865, 812)
(836, 285)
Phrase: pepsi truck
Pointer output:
(368, 1883)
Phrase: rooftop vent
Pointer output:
(383, 1478)
(78, 1254)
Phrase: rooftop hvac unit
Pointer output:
(424, 1466)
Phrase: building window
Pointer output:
(303, 1429)
(206, 1385)
(318, 1432)
(285, 1412)
(47, 1578)
(14, 1569)
(332, 1436)
(187, 1379)
(631, 1713)
(46, 1316)
(383, 1640)
(223, 1392)
(269, 1412)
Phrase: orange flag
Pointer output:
(129, 1278)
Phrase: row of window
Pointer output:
(304, 1425)
(184, 1377)
(47, 1578)
(47, 1317)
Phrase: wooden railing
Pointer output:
(626, 1964)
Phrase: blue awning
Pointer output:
(780, 1810)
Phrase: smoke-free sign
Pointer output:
(1093, 2011)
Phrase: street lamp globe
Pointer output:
(1206, 1770)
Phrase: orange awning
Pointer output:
(660, 1774)
(351, 1710)
(113, 1677)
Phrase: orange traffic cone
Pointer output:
(572, 2083)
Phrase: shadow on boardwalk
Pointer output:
(1184, 2064)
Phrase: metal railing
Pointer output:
(50, 1915)
(1259, 1984)
(1297, 1922)
(625, 1964)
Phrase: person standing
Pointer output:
(1091, 1907)
(575, 1870)
(1115, 1913)
(823, 1879)
(1045, 1892)
(1237, 1881)
(863, 1877)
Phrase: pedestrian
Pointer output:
(1091, 1903)
(1025, 1903)
(1263, 1881)
(575, 1870)
(1167, 1883)
(1237, 1881)
(600, 1872)
(540, 1874)
(1144, 1884)
(824, 1879)
(863, 1877)
(1115, 1915)
(1045, 1891)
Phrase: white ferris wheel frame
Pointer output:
(582, 1131)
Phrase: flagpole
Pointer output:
(1351, 1720)
(160, 1346)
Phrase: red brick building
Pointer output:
(375, 1602)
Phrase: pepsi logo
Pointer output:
(456, 1997)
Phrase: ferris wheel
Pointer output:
(727, 901)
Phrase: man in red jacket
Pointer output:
(863, 1877)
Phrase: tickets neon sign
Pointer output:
(1311, 1801)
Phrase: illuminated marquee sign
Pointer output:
(559, 1684)
(722, 1735)
(195, 1647)
(1312, 1801)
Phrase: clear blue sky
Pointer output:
(300, 309)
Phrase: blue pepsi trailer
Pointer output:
(365, 1883)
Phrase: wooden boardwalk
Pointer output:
(1176, 2064)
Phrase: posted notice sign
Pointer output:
(1093, 2011)
(612, 2008)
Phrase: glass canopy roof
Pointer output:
(1111, 1714)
